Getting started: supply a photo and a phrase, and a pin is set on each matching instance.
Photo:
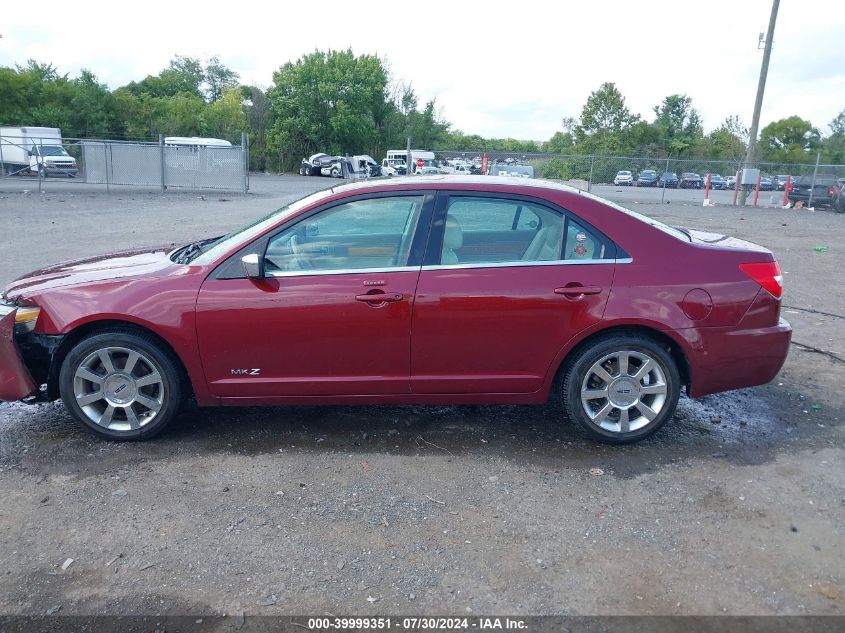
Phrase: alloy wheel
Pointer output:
(624, 391)
(119, 389)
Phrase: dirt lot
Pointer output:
(736, 507)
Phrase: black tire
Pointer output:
(152, 353)
(578, 367)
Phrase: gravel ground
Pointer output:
(735, 507)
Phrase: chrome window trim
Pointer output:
(557, 262)
(343, 271)
(410, 269)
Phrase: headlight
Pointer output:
(25, 318)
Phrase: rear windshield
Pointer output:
(671, 230)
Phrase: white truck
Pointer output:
(398, 156)
(35, 150)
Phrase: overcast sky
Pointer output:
(496, 68)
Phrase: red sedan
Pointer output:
(420, 291)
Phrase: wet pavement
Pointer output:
(735, 506)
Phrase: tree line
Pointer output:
(338, 102)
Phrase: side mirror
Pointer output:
(253, 266)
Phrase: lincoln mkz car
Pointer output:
(443, 290)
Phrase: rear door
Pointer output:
(507, 282)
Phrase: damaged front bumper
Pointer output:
(16, 383)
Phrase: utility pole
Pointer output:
(751, 155)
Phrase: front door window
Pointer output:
(361, 235)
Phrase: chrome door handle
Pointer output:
(575, 291)
(379, 297)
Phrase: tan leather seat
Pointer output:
(453, 239)
(545, 246)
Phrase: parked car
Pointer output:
(316, 164)
(780, 181)
(396, 165)
(668, 179)
(647, 178)
(623, 178)
(690, 180)
(313, 304)
(730, 182)
(766, 183)
(512, 170)
(717, 182)
(826, 190)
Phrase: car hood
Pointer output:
(113, 266)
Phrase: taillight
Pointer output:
(832, 191)
(767, 274)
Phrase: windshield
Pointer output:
(53, 150)
(228, 242)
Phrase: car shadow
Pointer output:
(747, 426)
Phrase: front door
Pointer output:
(514, 282)
(332, 316)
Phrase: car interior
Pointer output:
(377, 233)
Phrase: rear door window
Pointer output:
(485, 230)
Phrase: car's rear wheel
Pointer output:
(621, 389)
(121, 385)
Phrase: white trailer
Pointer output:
(35, 150)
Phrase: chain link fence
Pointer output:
(586, 171)
(172, 163)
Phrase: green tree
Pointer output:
(604, 120)
(15, 91)
(326, 101)
(217, 78)
(225, 118)
(729, 141)
(560, 143)
(256, 107)
(184, 75)
(92, 107)
(679, 124)
(790, 140)
(834, 145)
(644, 139)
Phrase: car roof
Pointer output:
(482, 183)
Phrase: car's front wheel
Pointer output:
(121, 385)
(621, 389)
